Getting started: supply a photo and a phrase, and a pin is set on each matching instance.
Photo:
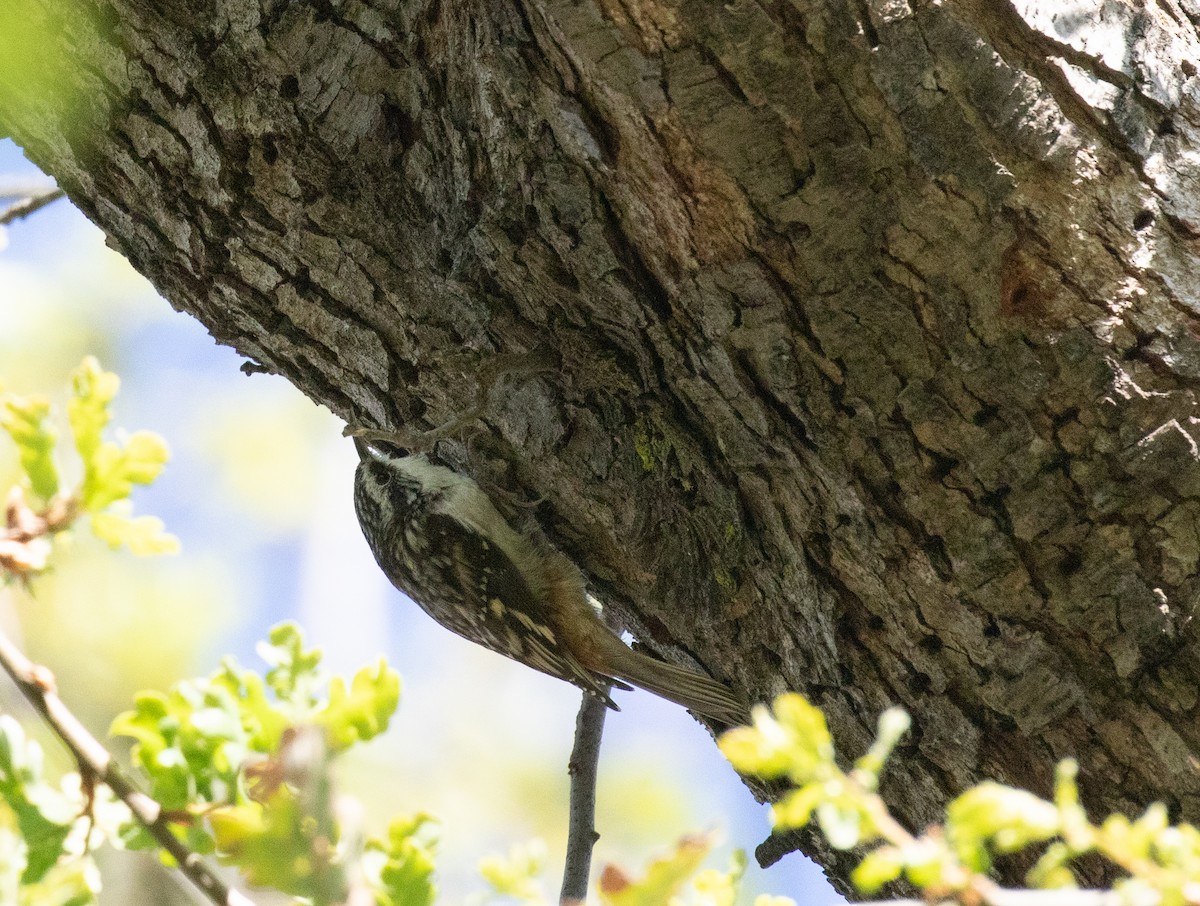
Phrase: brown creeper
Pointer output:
(438, 538)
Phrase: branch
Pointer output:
(30, 204)
(581, 831)
(37, 685)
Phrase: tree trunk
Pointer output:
(848, 347)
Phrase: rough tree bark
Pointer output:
(849, 346)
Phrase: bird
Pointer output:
(439, 538)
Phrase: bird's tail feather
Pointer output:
(692, 690)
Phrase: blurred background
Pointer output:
(259, 493)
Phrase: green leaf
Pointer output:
(294, 671)
(807, 724)
(794, 741)
(664, 878)
(12, 864)
(44, 816)
(1179, 846)
(720, 888)
(928, 864)
(1150, 837)
(1053, 868)
(93, 389)
(269, 843)
(143, 535)
(400, 867)
(795, 809)
(262, 719)
(1074, 826)
(995, 818)
(111, 471)
(516, 875)
(27, 422)
(190, 742)
(750, 752)
(142, 723)
(880, 867)
(364, 711)
(841, 823)
(194, 741)
(893, 724)
(73, 881)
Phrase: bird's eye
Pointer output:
(381, 474)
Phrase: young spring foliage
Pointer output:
(399, 867)
(246, 757)
(515, 876)
(44, 828)
(240, 763)
(111, 468)
(792, 741)
(676, 879)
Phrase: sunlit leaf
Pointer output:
(362, 712)
(263, 719)
(26, 419)
(720, 888)
(794, 740)
(795, 809)
(400, 867)
(93, 389)
(271, 844)
(111, 470)
(143, 535)
(665, 877)
(44, 816)
(994, 818)
(841, 823)
(880, 867)
(516, 874)
(1052, 869)
(751, 753)
(893, 724)
(294, 670)
(929, 864)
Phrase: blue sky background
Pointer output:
(259, 492)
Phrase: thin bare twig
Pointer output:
(581, 828)
(29, 205)
(37, 685)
